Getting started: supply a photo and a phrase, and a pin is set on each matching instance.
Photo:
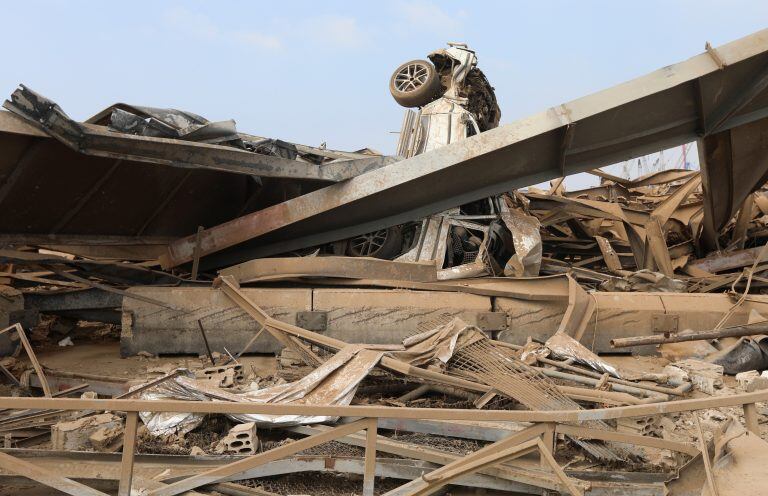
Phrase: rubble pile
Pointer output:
(190, 309)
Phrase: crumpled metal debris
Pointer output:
(645, 280)
(169, 423)
(739, 462)
(526, 238)
(563, 346)
(183, 125)
(332, 383)
(437, 346)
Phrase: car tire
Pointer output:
(415, 84)
(384, 243)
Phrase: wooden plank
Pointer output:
(129, 448)
(46, 477)
(225, 407)
(620, 437)
(219, 473)
(750, 418)
(233, 489)
(494, 454)
(370, 457)
(471, 463)
(549, 439)
(32, 358)
(431, 455)
(277, 329)
(705, 457)
(550, 460)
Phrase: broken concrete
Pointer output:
(241, 440)
(95, 432)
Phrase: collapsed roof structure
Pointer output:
(718, 96)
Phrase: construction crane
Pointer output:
(656, 162)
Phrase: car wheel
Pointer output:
(415, 84)
(384, 243)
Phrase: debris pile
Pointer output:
(189, 309)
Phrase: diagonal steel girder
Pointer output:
(665, 108)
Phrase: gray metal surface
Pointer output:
(665, 108)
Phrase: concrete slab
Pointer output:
(351, 314)
(149, 327)
(624, 315)
(387, 316)
(382, 316)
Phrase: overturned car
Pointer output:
(454, 101)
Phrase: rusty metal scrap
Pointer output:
(451, 462)
(273, 269)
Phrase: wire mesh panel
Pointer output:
(496, 366)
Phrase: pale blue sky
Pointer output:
(318, 71)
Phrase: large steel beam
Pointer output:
(661, 109)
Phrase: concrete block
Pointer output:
(241, 440)
(107, 439)
(312, 321)
(757, 384)
(386, 316)
(74, 435)
(745, 378)
(617, 315)
(642, 426)
(704, 375)
(675, 375)
(223, 376)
